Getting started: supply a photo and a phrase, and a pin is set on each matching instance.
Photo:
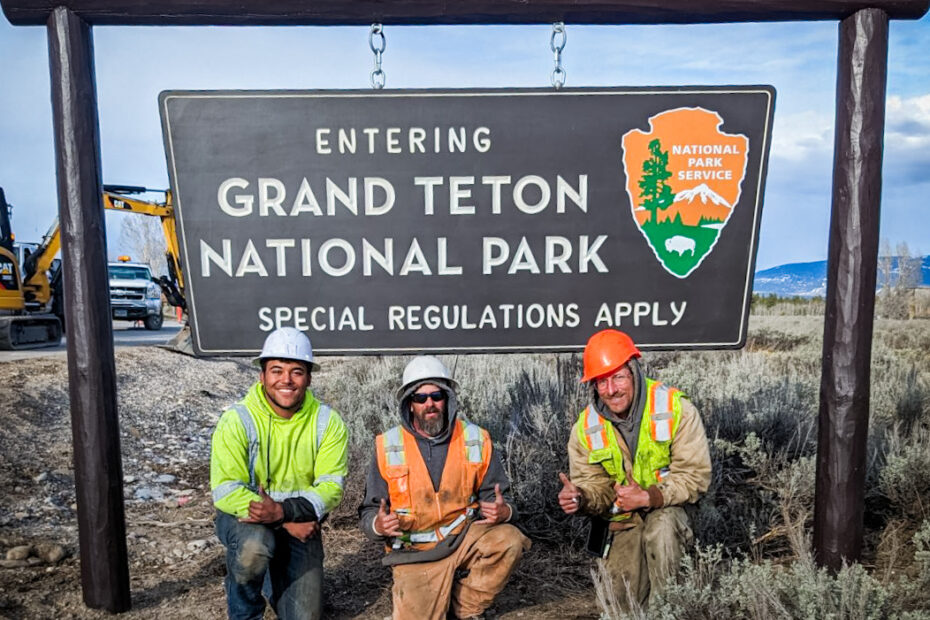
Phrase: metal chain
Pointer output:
(377, 43)
(557, 44)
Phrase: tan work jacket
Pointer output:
(689, 470)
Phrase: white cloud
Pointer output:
(907, 123)
(797, 137)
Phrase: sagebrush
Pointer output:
(759, 406)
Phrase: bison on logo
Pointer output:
(683, 179)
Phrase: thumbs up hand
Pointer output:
(570, 496)
(386, 522)
(630, 497)
(265, 511)
(494, 512)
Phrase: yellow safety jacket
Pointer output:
(302, 456)
(428, 516)
(661, 416)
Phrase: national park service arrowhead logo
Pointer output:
(683, 179)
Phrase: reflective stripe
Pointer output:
(474, 443)
(340, 480)
(593, 428)
(394, 447)
(311, 496)
(322, 421)
(428, 536)
(225, 489)
(251, 433)
(283, 495)
(661, 424)
(318, 504)
(660, 399)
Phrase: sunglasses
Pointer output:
(437, 396)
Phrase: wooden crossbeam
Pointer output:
(349, 12)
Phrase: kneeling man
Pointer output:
(277, 468)
(637, 454)
(437, 496)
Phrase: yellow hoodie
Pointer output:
(303, 456)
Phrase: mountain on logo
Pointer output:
(704, 193)
(696, 206)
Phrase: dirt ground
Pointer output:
(168, 406)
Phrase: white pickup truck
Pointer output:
(134, 294)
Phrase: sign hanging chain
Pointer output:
(557, 44)
(377, 43)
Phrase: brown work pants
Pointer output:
(644, 557)
(489, 553)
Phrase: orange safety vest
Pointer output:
(427, 516)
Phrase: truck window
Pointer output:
(126, 272)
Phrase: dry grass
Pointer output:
(753, 526)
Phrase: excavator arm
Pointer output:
(36, 284)
(31, 310)
(119, 198)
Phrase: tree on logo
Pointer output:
(657, 194)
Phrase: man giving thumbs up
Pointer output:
(269, 503)
(437, 497)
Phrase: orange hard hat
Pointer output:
(606, 351)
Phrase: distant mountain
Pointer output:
(810, 279)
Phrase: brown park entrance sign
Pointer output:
(486, 220)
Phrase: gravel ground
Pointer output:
(168, 405)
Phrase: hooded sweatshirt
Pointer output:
(300, 461)
(628, 425)
(433, 450)
(690, 467)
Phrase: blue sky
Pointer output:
(799, 59)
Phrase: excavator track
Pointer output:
(29, 332)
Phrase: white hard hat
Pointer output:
(424, 367)
(287, 343)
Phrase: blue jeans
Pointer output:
(291, 571)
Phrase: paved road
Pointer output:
(124, 335)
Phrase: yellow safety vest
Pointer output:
(661, 416)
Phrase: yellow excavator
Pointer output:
(31, 300)
(31, 309)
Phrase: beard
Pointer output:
(430, 426)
